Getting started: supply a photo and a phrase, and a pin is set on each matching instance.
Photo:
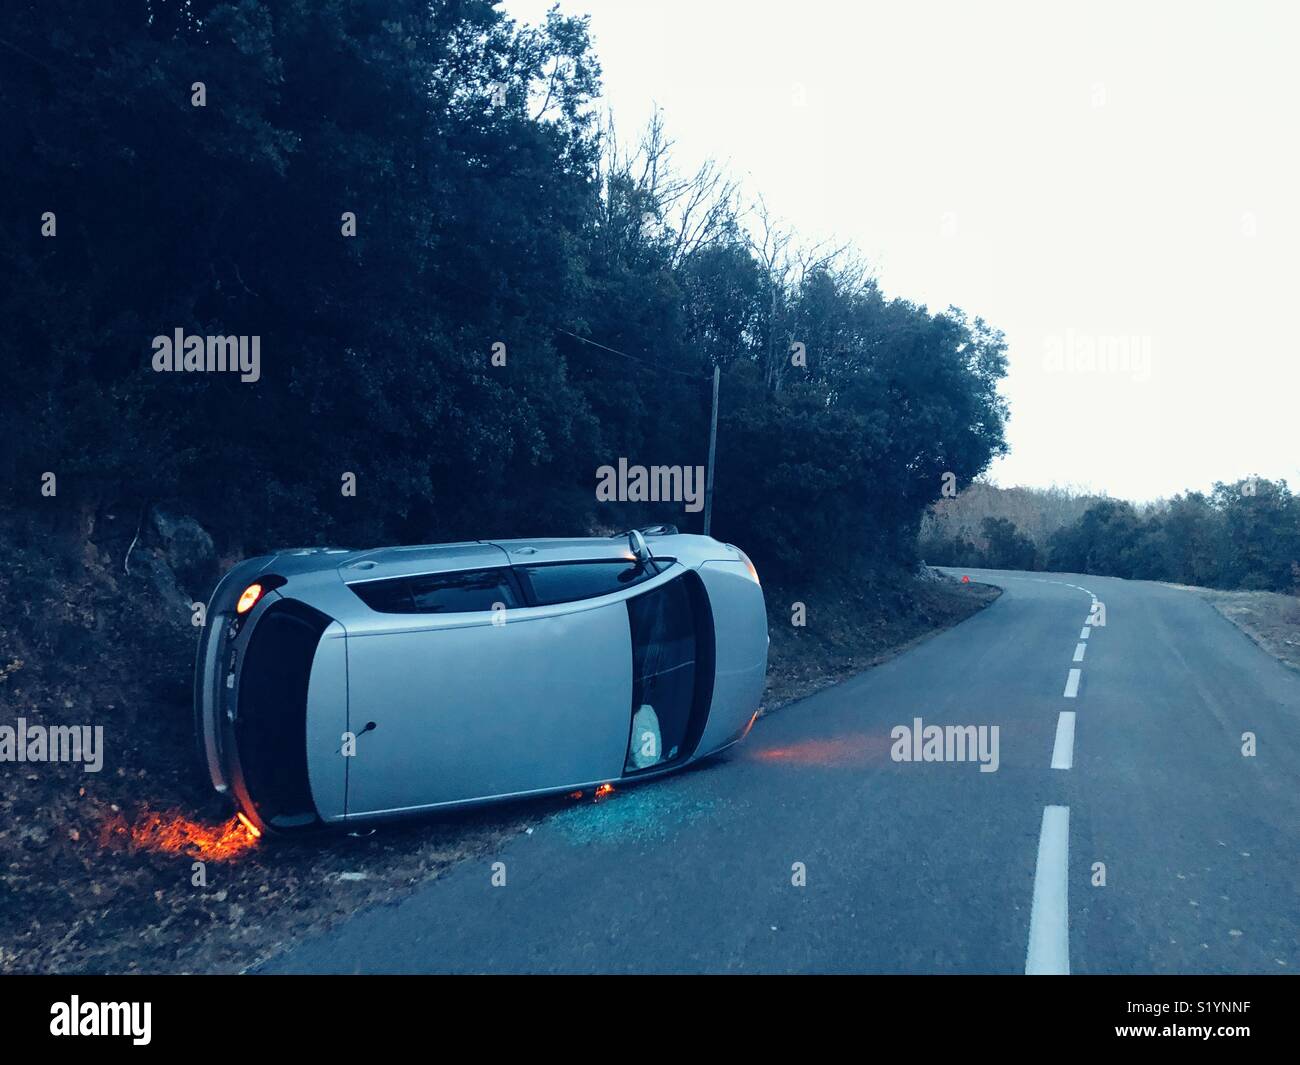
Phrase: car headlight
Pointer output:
(748, 564)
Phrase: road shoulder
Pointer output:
(1270, 619)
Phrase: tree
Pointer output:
(1104, 541)
(1008, 547)
(388, 194)
(1260, 533)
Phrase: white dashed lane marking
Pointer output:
(1072, 683)
(1049, 919)
(1063, 752)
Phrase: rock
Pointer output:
(187, 549)
(149, 566)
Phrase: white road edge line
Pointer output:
(1087, 631)
(1063, 752)
(1072, 683)
(1049, 919)
(1079, 648)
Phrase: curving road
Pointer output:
(926, 866)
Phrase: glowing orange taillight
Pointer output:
(246, 601)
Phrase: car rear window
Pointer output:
(466, 591)
(563, 582)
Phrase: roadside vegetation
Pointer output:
(470, 293)
(1240, 536)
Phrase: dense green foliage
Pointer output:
(491, 209)
(1242, 535)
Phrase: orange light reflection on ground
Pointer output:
(837, 751)
(171, 832)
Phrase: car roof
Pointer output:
(421, 558)
(385, 562)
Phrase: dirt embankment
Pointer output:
(852, 625)
(138, 866)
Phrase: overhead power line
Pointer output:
(644, 362)
(508, 297)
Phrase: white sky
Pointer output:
(1068, 172)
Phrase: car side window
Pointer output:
(466, 591)
(563, 582)
(456, 593)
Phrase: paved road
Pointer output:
(925, 867)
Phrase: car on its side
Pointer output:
(338, 687)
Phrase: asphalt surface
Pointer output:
(925, 867)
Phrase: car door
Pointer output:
(471, 685)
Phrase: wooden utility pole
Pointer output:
(713, 451)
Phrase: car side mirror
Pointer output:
(640, 549)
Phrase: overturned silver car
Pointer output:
(336, 687)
